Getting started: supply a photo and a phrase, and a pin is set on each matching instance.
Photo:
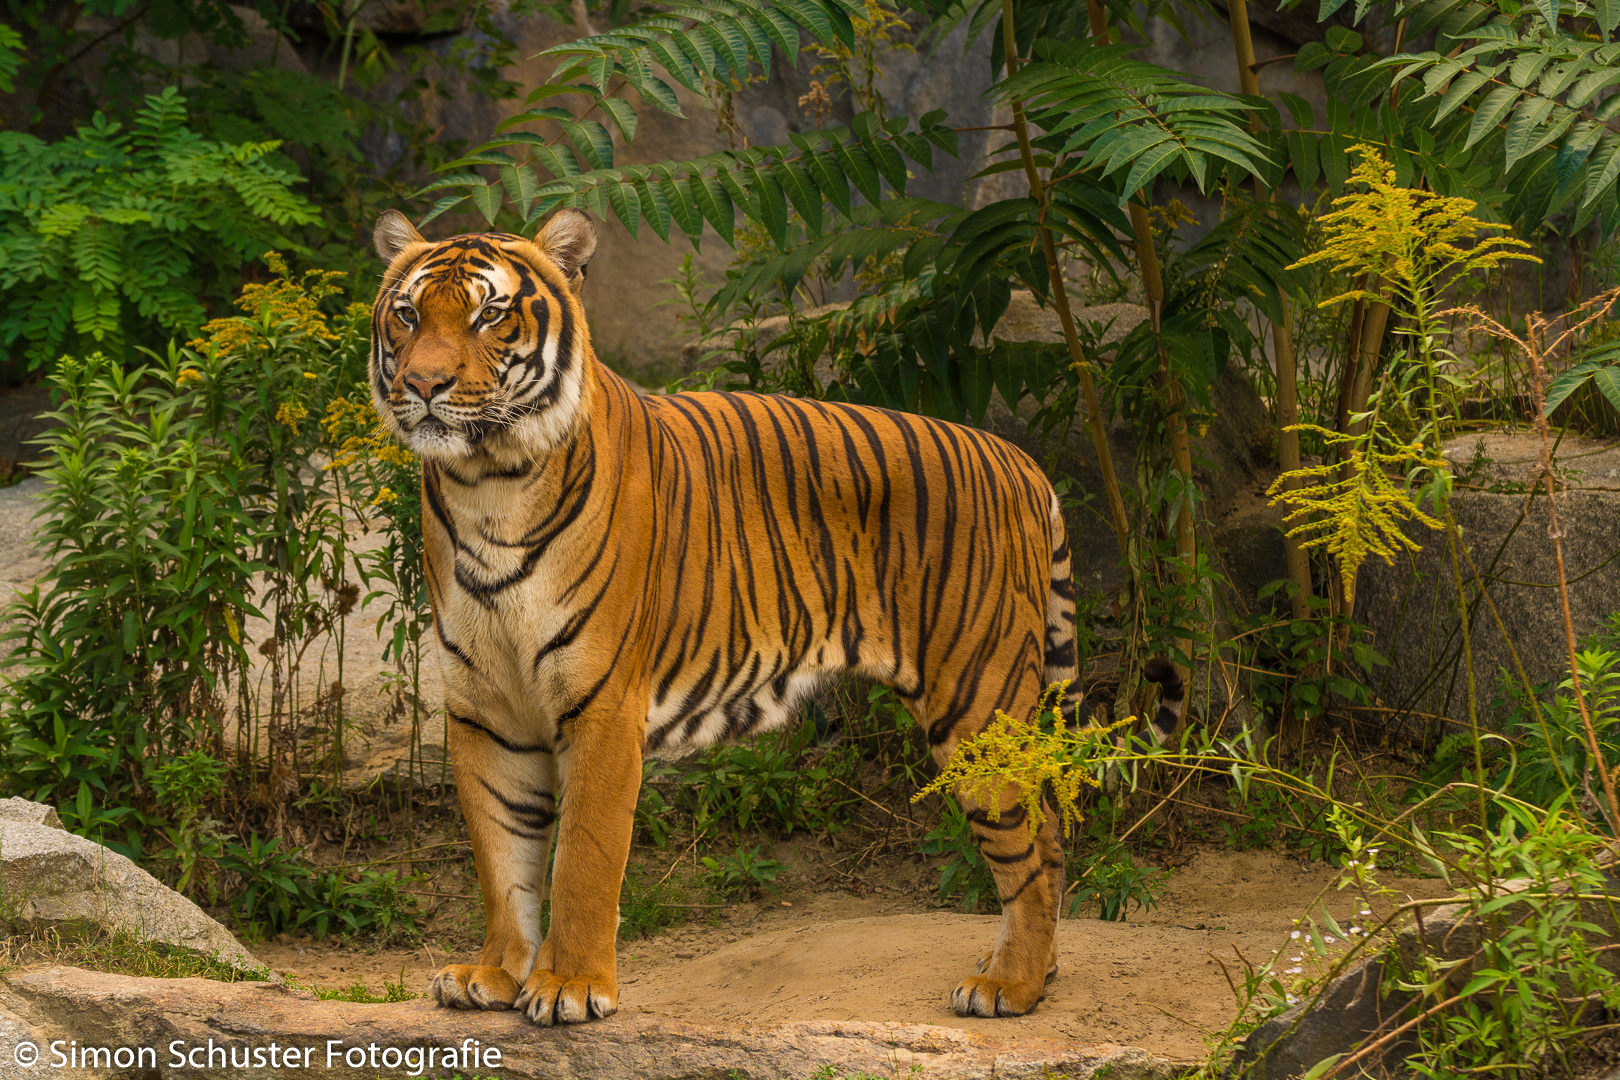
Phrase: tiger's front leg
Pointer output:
(575, 977)
(508, 797)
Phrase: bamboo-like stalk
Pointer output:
(1372, 342)
(1060, 300)
(1365, 367)
(1352, 356)
(1282, 336)
(1147, 259)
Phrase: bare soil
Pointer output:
(825, 954)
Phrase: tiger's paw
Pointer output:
(468, 986)
(979, 995)
(549, 999)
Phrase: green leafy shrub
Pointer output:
(965, 871)
(272, 880)
(169, 486)
(122, 646)
(764, 784)
(281, 894)
(741, 874)
(1553, 755)
(190, 785)
(115, 238)
(1110, 879)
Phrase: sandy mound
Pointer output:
(1149, 982)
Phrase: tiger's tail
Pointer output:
(1172, 699)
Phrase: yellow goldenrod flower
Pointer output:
(1014, 760)
(289, 413)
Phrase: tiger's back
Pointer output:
(802, 539)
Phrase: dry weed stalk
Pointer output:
(1535, 347)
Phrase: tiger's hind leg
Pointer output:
(1012, 976)
(1029, 873)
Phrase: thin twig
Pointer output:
(1144, 819)
(880, 806)
(681, 856)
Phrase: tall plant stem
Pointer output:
(1352, 354)
(1282, 336)
(1147, 260)
(1555, 532)
(348, 41)
(1080, 362)
(1359, 378)
(1367, 350)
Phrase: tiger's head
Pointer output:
(479, 343)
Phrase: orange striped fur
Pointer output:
(614, 575)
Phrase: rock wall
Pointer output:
(1413, 609)
(628, 328)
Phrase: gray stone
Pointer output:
(99, 1009)
(1412, 607)
(1351, 1007)
(52, 879)
(14, 1030)
(32, 813)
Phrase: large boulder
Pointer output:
(54, 880)
(1413, 609)
(32, 813)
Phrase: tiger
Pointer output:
(615, 575)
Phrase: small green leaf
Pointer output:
(1491, 111)
(1300, 109)
(623, 115)
(487, 197)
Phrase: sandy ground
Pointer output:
(1150, 982)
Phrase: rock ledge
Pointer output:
(101, 1010)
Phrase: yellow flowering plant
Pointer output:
(1024, 759)
(262, 382)
(384, 480)
(1410, 247)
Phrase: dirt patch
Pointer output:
(1149, 982)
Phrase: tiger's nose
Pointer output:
(426, 386)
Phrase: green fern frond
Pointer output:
(819, 168)
(1123, 115)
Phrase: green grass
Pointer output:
(361, 994)
(118, 952)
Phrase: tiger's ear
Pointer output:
(569, 240)
(393, 234)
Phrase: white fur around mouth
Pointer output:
(433, 438)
